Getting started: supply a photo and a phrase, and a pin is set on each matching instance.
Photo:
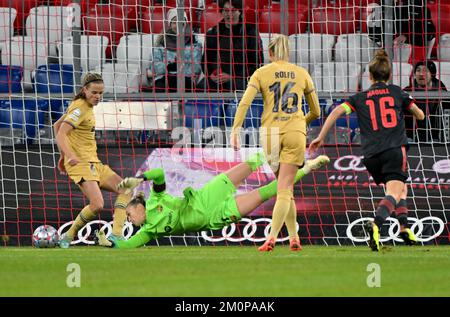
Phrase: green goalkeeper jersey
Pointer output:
(168, 215)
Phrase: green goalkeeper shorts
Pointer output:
(217, 200)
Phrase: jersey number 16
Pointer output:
(388, 113)
(276, 88)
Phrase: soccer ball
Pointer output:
(45, 237)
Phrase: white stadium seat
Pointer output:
(311, 49)
(52, 24)
(92, 46)
(336, 77)
(443, 73)
(120, 78)
(402, 53)
(24, 52)
(444, 48)
(401, 74)
(354, 48)
(7, 17)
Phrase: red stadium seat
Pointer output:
(335, 21)
(440, 14)
(153, 20)
(23, 9)
(107, 20)
(210, 17)
(270, 21)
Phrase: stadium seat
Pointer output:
(443, 73)
(270, 21)
(440, 14)
(107, 20)
(208, 112)
(120, 78)
(137, 49)
(333, 20)
(54, 78)
(354, 48)
(443, 51)
(7, 18)
(92, 46)
(211, 17)
(52, 24)
(10, 79)
(22, 8)
(153, 19)
(22, 114)
(58, 107)
(311, 49)
(401, 75)
(24, 52)
(337, 77)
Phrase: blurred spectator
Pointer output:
(424, 79)
(233, 49)
(164, 66)
(413, 25)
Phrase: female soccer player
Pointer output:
(75, 137)
(383, 142)
(283, 128)
(210, 208)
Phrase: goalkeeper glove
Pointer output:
(103, 241)
(129, 183)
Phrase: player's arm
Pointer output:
(416, 111)
(241, 112)
(63, 144)
(136, 241)
(314, 108)
(156, 175)
(331, 120)
(56, 127)
(312, 99)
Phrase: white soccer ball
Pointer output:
(45, 237)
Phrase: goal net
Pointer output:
(174, 74)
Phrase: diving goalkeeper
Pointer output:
(210, 208)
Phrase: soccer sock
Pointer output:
(255, 161)
(280, 211)
(270, 190)
(291, 221)
(85, 215)
(401, 212)
(385, 208)
(120, 214)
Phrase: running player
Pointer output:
(283, 129)
(383, 142)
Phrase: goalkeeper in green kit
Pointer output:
(210, 208)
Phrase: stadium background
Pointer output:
(135, 125)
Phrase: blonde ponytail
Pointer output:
(279, 48)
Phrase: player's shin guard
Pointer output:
(385, 208)
(280, 211)
(120, 214)
(401, 212)
(82, 219)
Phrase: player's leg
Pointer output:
(240, 172)
(92, 191)
(401, 213)
(109, 181)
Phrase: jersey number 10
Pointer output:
(276, 88)
(388, 113)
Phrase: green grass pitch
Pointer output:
(225, 271)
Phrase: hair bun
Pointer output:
(381, 54)
(140, 194)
